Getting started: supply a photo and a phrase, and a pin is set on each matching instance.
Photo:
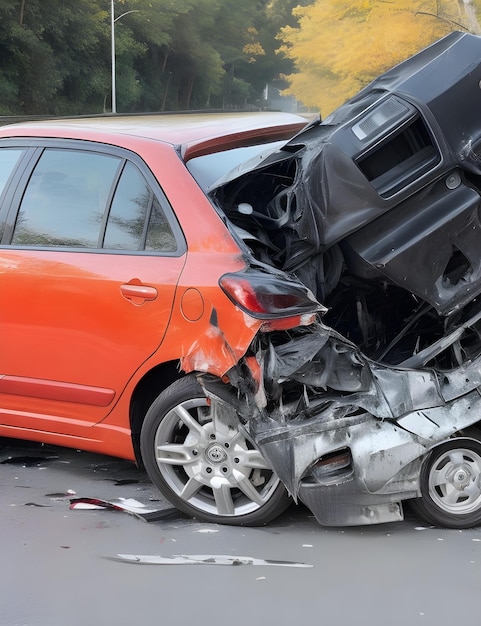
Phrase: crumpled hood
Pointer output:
(405, 142)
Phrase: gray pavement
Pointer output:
(54, 570)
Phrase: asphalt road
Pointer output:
(60, 566)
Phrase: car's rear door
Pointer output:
(90, 258)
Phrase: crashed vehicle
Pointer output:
(255, 309)
(377, 211)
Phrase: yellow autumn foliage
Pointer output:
(340, 46)
(253, 49)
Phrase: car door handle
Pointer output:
(137, 292)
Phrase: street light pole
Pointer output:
(114, 19)
(112, 30)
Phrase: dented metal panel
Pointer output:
(376, 210)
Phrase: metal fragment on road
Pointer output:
(202, 559)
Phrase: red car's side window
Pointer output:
(8, 159)
(128, 226)
(159, 234)
(82, 199)
(65, 200)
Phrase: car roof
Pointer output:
(193, 134)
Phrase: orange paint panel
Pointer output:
(58, 391)
(66, 311)
(111, 440)
(81, 328)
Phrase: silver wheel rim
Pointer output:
(212, 468)
(455, 481)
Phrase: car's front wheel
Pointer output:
(204, 465)
(451, 485)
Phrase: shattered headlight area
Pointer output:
(377, 211)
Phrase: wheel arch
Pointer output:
(148, 388)
(468, 434)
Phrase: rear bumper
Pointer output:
(342, 504)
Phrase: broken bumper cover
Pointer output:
(343, 505)
(350, 473)
(347, 436)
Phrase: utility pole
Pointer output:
(114, 19)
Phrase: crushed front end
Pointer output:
(377, 211)
(346, 435)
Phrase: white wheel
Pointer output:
(451, 485)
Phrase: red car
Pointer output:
(119, 279)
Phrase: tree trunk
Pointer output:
(22, 11)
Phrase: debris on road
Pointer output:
(128, 505)
(195, 559)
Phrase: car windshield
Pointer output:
(209, 169)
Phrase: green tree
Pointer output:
(23, 57)
(55, 56)
(234, 35)
(152, 25)
(194, 67)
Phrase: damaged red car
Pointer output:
(118, 277)
(255, 309)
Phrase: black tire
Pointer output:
(211, 475)
(450, 483)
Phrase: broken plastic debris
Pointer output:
(128, 505)
(122, 504)
(200, 559)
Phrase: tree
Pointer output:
(194, 66)
(236, 37)
(54, 57)
(339, 46)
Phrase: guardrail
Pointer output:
(12, 119)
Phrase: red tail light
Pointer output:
(265, 296)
